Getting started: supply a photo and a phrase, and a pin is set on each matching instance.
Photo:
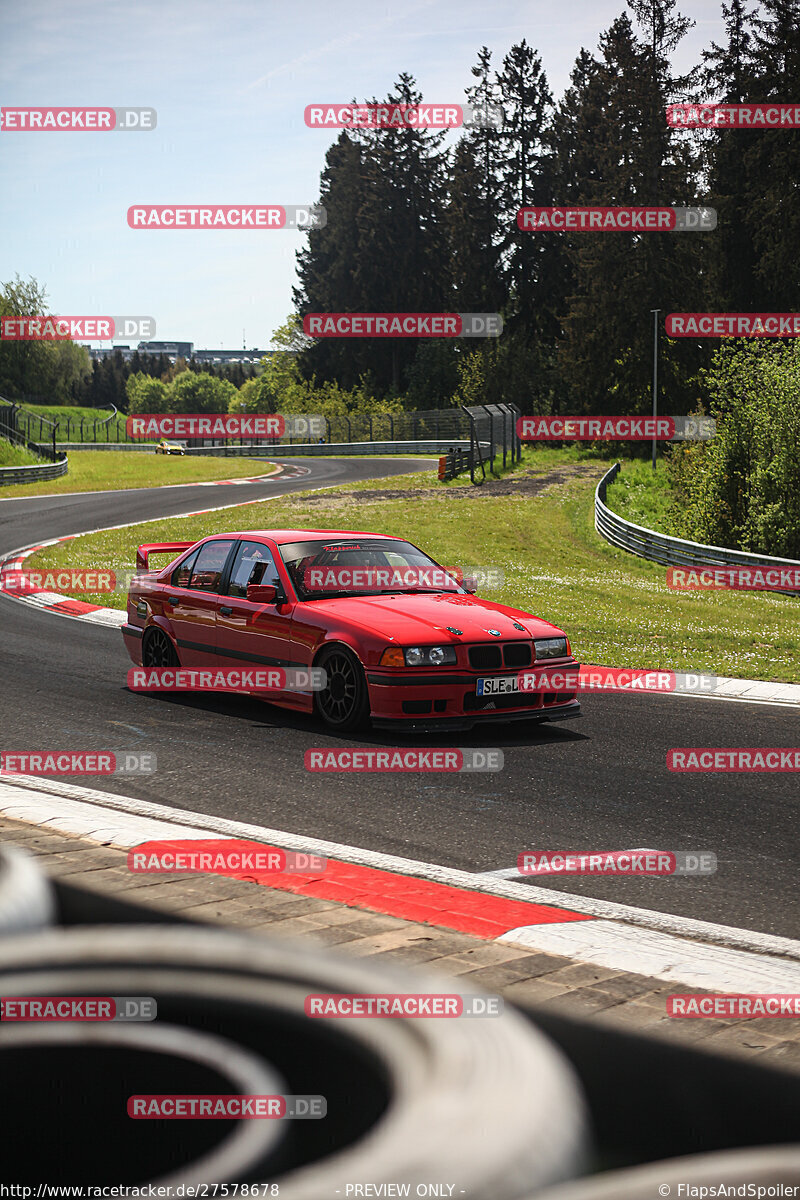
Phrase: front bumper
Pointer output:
(132, 637)
(447, 699)
(562, 712)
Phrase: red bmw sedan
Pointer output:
(401, 641)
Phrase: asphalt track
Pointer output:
(598, 783)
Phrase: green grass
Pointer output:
(106, 470)
(615, 607)
(56, 411)
(16, 456)
(644, 496)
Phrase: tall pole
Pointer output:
(655, 312)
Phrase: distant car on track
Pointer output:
(427, 656)
(165, 447)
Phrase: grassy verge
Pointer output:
(105, 470)
(16, 456)
(92, 419)
(537, 526)
(644, 496)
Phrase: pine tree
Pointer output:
(729, 76)
(772, 159)
(527, 177)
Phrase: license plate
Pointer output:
(497, 685)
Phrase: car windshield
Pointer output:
(366, 566)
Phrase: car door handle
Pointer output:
(174, 600)
(226, 610)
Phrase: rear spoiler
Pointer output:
(144, 552)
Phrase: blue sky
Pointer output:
(230, 82)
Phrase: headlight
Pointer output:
(550, 648)
(418, 656)
(429, 656)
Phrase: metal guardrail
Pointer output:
(660, 547)
(37, 473)
(284, 449)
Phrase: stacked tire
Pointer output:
(487, 1105)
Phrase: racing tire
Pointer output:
(491, 1105)
(343, 704)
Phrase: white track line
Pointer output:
(87, 811)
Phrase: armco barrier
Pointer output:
(661, 548)
(36, 473)
(281, 450)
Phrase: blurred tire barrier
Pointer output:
(71, 1083)
(487, 1104)
(766, 1168)
(27, 900)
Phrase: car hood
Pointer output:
(408, 619)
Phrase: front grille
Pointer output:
(517, 654)
(485, 658)
(497, 654)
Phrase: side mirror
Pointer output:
(262, 593)
(470, 584)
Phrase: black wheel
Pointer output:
(158, 650)
(344, 701)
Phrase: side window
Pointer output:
(183, 572)
(253, 564)
(208, 566)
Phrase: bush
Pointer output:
(742, 489)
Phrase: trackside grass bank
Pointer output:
(107, 470)
(536, 525)
(12, 455)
